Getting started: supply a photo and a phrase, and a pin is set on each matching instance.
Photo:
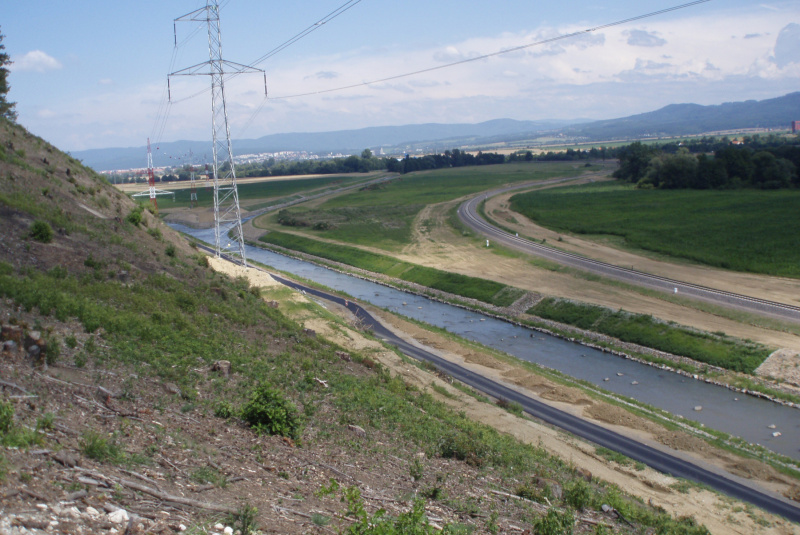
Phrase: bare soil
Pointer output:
(440, 247)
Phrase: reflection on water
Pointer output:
(744, 416)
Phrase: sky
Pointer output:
(93, 74)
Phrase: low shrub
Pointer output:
(554, 523)
(135, 216)
(268, 411)
(42, 231)
(578, 495)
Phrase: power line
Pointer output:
(313, 27)
(317, 25)
(499, 52)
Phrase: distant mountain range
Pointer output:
(342, 141)
(672, 120)
(688, 119)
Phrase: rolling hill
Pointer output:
(672, 120)
(141, 391)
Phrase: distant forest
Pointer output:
(768, 161)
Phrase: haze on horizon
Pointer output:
(95, 77)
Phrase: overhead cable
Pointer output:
(499, 52)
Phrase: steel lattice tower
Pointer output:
(151, 181)
(227, 214)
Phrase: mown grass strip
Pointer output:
(486, 291)
(645, 330)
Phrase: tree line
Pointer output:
(770, 162)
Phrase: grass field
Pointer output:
(744, 230)
(383, 217)
(269, 189)
(471, 287)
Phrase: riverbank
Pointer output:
(719, 514)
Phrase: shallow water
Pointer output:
(745, 416)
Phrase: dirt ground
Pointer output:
(719, 514)
(440, 247)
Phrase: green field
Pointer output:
(744, 230)
(267, 190)
(383, 217)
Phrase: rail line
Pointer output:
(468, 213)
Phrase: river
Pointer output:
(740, 415)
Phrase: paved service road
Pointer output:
(468, 213)
(655, 458)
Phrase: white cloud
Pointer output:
(105, 81)
(707, 59)
(37, 61)
(450, 54)
(642, 38)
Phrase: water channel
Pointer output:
(737, 414)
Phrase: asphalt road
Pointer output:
(468, 213)
(654, 458)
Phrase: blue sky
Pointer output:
(92, 74)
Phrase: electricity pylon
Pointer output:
(151, 181)
(227, 214)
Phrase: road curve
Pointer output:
(468, 213)
(652, 457)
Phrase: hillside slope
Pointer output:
(119, 412)
(690, 119)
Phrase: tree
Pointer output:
(633, 161)
(6, 107)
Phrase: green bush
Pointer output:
(52, 349)
(42, 231)
(6, 417)
(135, 217)
(100, 448)
(269, 412)
(578, 495)
(464, 447)
(554, 523)
(224, 409)
(244, 519)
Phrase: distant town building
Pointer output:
(795, 127)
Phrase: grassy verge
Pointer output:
(483, 290)
(645, 330)
(724, 441)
